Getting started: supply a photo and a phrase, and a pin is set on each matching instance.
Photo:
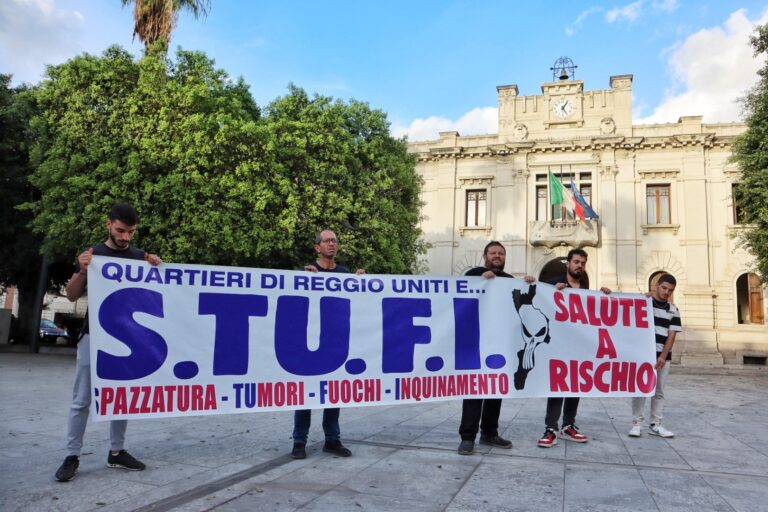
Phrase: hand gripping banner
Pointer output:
(184, 340)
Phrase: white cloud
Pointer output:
(477, 121)
(34, 33)
(711, 70)
(629, 12)
(579, 21)
(665, 5)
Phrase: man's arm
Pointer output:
(76, 284)
(662, 360)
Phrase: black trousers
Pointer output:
(482, 412)
(554, 405)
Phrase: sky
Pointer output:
(431, 65)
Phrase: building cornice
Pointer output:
(703, 140)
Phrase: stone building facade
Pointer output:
(663, 194)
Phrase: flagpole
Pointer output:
(563, 213)
(570, 173)
(550, 215)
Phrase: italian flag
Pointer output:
(558, 194)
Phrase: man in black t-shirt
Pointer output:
(574, 277)
(326, 247)
(121, 227)
(484, 412)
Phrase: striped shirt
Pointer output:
(666, 317)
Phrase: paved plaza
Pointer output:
(404, 456)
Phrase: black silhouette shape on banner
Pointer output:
(535, 327)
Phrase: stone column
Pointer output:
(698, 293)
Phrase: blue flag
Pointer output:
(588, 211)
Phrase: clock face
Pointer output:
(562, 108)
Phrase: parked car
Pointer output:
(50, 332)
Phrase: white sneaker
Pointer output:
(635, 431)
(658, 430)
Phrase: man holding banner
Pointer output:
(326, 247)
(574, 277)
(121, 226)
(478, 411)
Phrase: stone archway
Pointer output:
(555, 268)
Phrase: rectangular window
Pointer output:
(542, 202)
(559, 213)
(736, 198)
(658, 204)
(586, 193)
(476, 203)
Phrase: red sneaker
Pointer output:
(571, 432)
(549, 439)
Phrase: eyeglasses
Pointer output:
(329, 241)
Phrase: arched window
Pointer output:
(655, 279)
(749, 299)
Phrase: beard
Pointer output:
(576, 274)
(496, 266)
(119, 243)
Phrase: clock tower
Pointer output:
(564, 94)
(564, 110)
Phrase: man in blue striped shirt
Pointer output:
(666, 319)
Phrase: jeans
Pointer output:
(302, 419)
(81, 401)
(657, 400)
(473, 410)
(554, 405)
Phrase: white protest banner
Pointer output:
(183, 340)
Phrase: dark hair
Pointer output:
(667, 278)
(125, 213)
(491, 244)
(576, 252)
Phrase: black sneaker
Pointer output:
(497, 441)
(299, 451)
(466, 447)
(68, 469)
(336, 448)
(124, 460)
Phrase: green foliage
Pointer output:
(213, 180)
(18, 246)
(336, 166)
(20, 259)
(751, 154)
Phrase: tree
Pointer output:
(154, 20)
(213, 179)
(337, 166)
(751, 154)
(20, 257)
(178, 140)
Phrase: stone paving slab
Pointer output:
(404, 456)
